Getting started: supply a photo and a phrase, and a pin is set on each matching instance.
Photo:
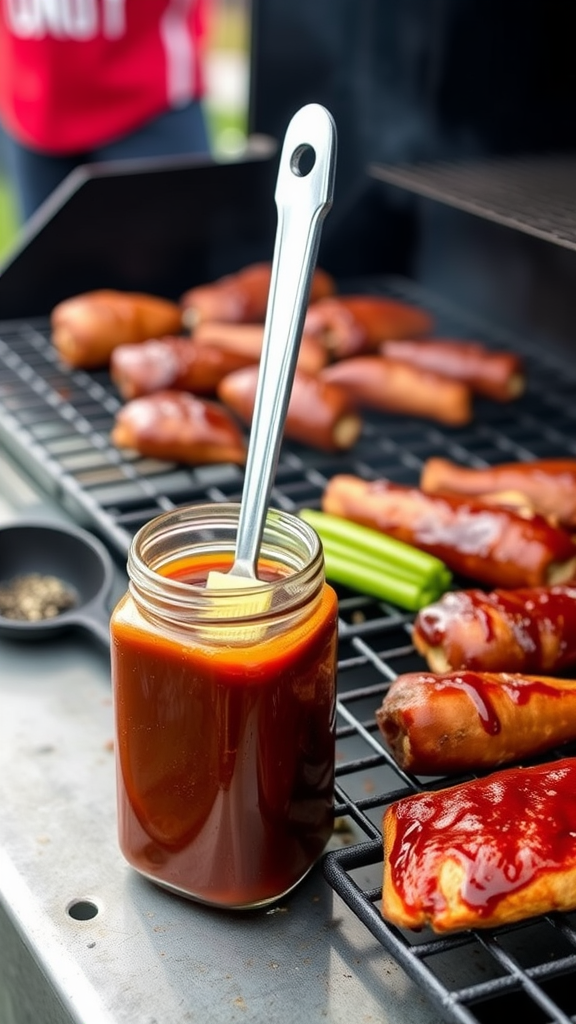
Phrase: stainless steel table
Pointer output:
(83, 938)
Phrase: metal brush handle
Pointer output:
(303, 198)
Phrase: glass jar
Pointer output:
(224, 707)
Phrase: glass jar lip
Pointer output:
(220, 516)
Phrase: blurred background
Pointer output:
(226, 100)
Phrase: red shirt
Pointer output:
(75, 74)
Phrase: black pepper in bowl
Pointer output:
(34, 596)
(54, 577)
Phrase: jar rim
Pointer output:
(153, 546)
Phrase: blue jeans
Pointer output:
(35, 175)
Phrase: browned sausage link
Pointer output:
(319, 414)
(241, 297)
(497, 375)
(389, 386)
(547, 486)
(349, 325)
(87, 328)
(530, 629)
(490, 545)
(436, 724)
(176, 363)
(179, 427)
(247, 338)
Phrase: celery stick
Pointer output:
(378, 578)
(375, 545)
(376, 582)
(377, 563)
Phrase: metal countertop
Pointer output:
(145, 955)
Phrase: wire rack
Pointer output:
(57, 423)
(533, 194)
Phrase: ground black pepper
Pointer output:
(33, 597)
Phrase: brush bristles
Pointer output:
(254, 601)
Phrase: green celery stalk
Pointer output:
(375, 581)
(368, 544)
(361, 558)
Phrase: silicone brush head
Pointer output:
(253, 600)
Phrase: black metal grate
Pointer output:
(57, 423)
(533, 194)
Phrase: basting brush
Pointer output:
(303, 197)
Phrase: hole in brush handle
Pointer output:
(303, 160)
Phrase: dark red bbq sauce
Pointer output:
(225, 755)
(503, 830)
(532, 613)
(484, 543)
(480, 687)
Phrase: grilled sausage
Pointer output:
(461, 721)
(387, 385)
(496, 375)
(247, 339)
(241, 297)
(483, 853)
(492, 546)
(179, 427)
(87, 328)
(350, 325)
(176, 363)
(319, 414)
(545, 486)
(524, 630)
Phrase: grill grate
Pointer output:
(57, 423)
(535, 194)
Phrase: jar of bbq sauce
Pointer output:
(224, 709)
